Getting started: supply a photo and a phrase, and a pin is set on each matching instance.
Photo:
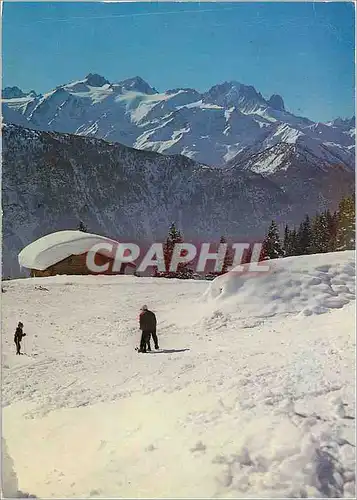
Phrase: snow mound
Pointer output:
(311, 284)
(9, 482)
(9, 479)
(56, 247)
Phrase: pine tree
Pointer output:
(272, 248)
(323, 232)
(304, 237)
(346, 230)
(289, 244)
(82, 227)
(183, 271)
(294, 242)
(174, 237)
(319, 234)
(332, 225)
(286, 241)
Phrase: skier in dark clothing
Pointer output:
(19, 334)
(147, 321)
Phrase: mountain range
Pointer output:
(211, 127)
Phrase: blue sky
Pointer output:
(303, 51)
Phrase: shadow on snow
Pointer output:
(167, 351)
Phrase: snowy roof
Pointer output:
(56, 247)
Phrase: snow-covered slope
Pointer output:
(52, 181)
(210, 127)
(308, 175)
(247, 398)
(265, 156)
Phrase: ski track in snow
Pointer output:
(251, 403)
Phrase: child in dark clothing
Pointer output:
(19, 334)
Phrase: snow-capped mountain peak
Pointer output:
(210, 127)
(137, 84)
(228, 94)
(95, 80)
(343, 123)
(276, 102)
(16, 93)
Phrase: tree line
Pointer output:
(184, 270)
(325, 232)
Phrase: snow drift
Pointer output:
(311, 284)
(9, 483)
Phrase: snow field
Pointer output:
(251, 394)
